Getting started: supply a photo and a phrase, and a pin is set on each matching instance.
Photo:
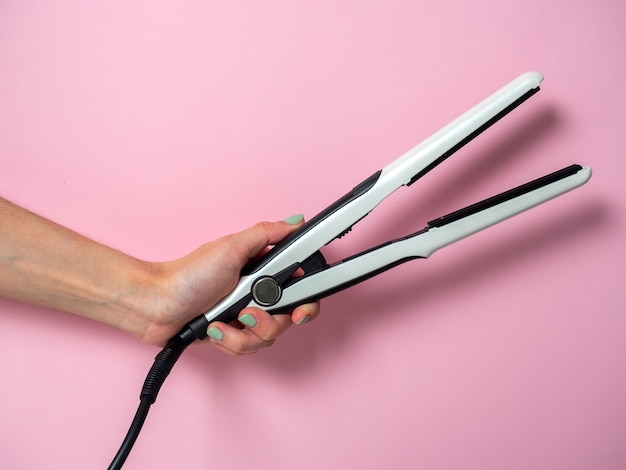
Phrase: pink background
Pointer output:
(156, 126)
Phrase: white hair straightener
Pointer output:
(269, 282)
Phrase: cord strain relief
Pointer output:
(163, 363)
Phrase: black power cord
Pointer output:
(131, 436)
(163, 363)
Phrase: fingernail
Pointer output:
(294, 219)
(215, 334)
(248, 320)
(303, 320)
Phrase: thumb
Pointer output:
(255, 239)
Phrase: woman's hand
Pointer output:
(193, 284)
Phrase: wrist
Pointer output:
(139, 305)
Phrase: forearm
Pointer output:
(44, 263)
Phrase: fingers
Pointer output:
(255, 328)
(305, 313)
(260, 329)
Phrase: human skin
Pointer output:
(44, 263)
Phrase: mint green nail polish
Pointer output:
(294, 219)
(303, 320)
(248, 320)
(215, 334)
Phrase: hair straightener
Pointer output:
(269, 282)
